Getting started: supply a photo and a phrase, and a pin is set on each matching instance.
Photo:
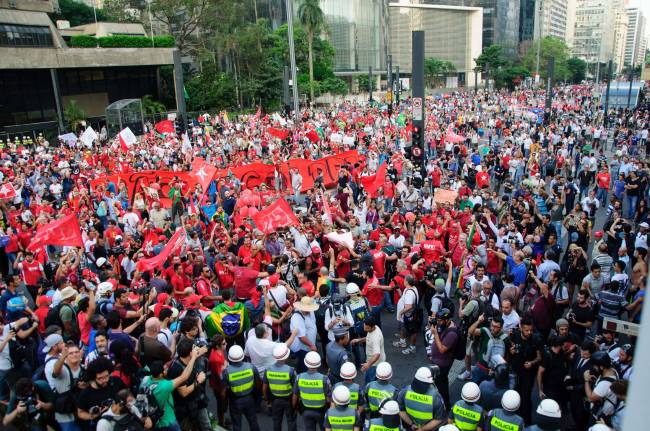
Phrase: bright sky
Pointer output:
(645, 7)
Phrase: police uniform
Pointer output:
(240, 379)
(377, 424)
(376, 392)
(355, 393)
(501, 420)
(341, 418)
(466, 416)
(280, 379)
(312, 389)
(422, 408)
(336, 356)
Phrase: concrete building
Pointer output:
(40, 74)
(620, 37)
(551, 18)
(634, 42)
(595, 23)
(526, 20)
(101, 29)
(452, 33)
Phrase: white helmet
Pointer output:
(510, 400)
(312, 360)
(281, 352)
(549, 408)
(423, 374)
(471, 392)
(236, 354)
(600, 427)
(341, 395)
(384, 371)
(104, 288)
(389, 407)
(448, 427)
(348, 371)
(352, 289)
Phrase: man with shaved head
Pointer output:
(149, 347)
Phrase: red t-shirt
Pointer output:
(224, 275)
(178, 286)
(482, 179)
(41, 312)
(31, 272)
(342, 268)
(432, 250)
(204, 288)
(379, 263)
(244, 281)
(375, 296)
(603, 179)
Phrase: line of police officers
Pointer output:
(341, 407)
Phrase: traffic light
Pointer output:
(416, 143)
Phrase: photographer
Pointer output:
(123, 413)
(190, 399)
(338, 314)
(29, 406)
(598, 382)
(101, 390)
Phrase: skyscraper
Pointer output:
(594, 34)
(551, 18)
(634, 42)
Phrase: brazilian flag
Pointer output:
(227, 321)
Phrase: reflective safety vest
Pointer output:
(501, 420)
(341, 418)
(241, 378)
(466, 416)
(377, 424)
(419, 406)
(376, 392)
(354, 393)
(311, 387)
(279, 380)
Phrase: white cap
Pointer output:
(341, 395)
(312, 360)
(384, 371)
(100, 262)
(549, 408)
(510, 400)
(448, 427)
(600, 427)
(281, 352)
(104, 287)
(348, 371)
(423, 374)
(236, 354)
(352, 288)
(471, 392)
(390, 407)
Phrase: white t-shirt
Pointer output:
(260, 350)
(410, 297)
(602, 389)
(60, 384)
(106, 425)
(165, 337)
(375, 344)
(510, 321)
(279, 294)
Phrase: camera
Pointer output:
(464, 296)
(199, 342)
(570, 316)
(30, 403)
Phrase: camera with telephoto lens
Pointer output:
(30, 404)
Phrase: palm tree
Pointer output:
(74, 115)
(312, 18)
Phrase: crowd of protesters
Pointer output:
(543, 241)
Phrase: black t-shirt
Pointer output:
(90, 396)
(175, 370)
(555, 369)
(582, 315)
(525, 350)
(633, 182)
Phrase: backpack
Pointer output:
(359, 315)
(495, 346)
(447, 303)
(147, 403)
(54, 315)
(413, 320)
(461, 344)
(324, 305)
(127, 423)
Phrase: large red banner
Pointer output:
(275, 216)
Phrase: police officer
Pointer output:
(420, 402)
(342, 417)
(279, 379)
(379, 390)
(310, 393)
(548, 416)
(466, 413)
(348, 374)
(336, 353)
(505, 419)
(241, 380)
(388, 420)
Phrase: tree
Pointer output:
(77, 13)
(184, 19)
(577, 69)
(151, 106)
(510, 75)
(550, 47)
(122, 10)
(312, 19)
(436, 70)
(491, 57)
(362, 80)
(74, 115)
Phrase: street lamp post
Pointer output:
(292, 59)
(629, 91)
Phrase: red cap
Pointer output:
(247, 260)
(44, 300)
(273, 279)
(86, 273)
(431, 234)
(315, 249)
(162, 298)
(599, 234)
(193, 299)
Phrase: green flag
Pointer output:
(471, 235)
(185, 95)
(401, 120)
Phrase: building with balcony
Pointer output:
(635, 39)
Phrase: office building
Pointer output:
(452, 33)
(634, 42)
(526, 20)
(551, 18)
(620, 38)
(40, 74)
(595, 30)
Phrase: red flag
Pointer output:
(256, 118)
(452, 136)
(276, 215)
(174, 243)
(326, 207)
(372, 182)
(313, 136)
(279, 133)
(7, 191)
(127, 139)
(203, 172)
(64, 231)
(165, 126)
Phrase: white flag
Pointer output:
(89, 137)
(342, 238)
(127, 138)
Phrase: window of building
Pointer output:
(25, 35)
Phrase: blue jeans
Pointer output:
(72, 426)
(631, 205)
(601, 195)
(172, 427)
(371, 375)
(388, 303)
(478, 375)
(376, 312)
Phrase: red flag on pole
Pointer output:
(64, 231)
(313, 136)
(203, 172)
(174, 243)
(276, 215)
(452, 136)
(279, 133)
(372, 182)
(165, 126)
(127, 139)
(7, 191)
